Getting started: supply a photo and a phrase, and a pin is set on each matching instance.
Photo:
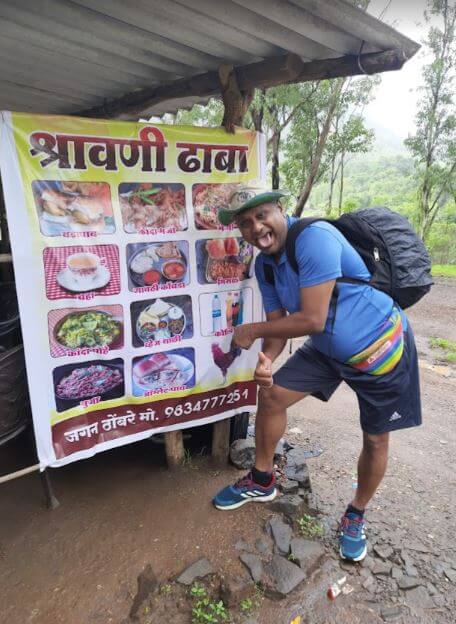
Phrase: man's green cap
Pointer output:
(247, 197)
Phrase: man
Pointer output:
(363, 339)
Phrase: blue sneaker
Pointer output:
(244, 491)
(352, 539)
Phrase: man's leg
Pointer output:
(271, 421)
(371, 467)
(371, 470)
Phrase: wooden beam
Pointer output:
(221, 441)
(268, 73)
(174, 448)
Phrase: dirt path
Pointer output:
(122, 510)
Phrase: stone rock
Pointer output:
(419, 597)
(282, 577)
(384, 552)
(439, 600)
(391, 613)
(296, 467)
(262, 546)
(313, 502)
(235, 589)
(289, 486)
(295, 430)
(451, 575)
(367, 562)
(307, 554)
(408, 582)
(289, 505)
(197, 570)
(381, 567)
(147, 586)
(410, 568)
(250, 621)
(280, 448)
(416, 545)
(242, 453)
(370, 585)
(432, 589)
(281, 533)
(254, 565)
(241, 544)
(396, 573)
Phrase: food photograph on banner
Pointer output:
(81, 272)
(153, 208)
(164, 320)
(129, 287)
(207, 201)
(158, 266)
(76, 331)
(65, 208)
(224, 260)
(88, 383)
(167, 371)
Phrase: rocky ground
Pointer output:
(123, 514)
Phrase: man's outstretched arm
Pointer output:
(310, 319)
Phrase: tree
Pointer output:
(433, 146)
(349, 135)
(327, 128)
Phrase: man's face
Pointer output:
(264, 226)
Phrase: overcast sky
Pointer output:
(395, 102)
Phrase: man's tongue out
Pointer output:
(265, 241)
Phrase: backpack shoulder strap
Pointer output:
(292, 236)
(268, 274)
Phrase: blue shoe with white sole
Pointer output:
(352, 539)
(245, 491)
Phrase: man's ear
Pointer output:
(280, 206)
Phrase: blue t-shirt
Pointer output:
(324, 254)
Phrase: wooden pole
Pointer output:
(221, 441)
(174, 447)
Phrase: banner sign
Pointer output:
(129, 288)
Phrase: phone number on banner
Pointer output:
(89, 429)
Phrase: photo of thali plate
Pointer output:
(153, 264)
(160, 320)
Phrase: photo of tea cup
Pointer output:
(83, 265)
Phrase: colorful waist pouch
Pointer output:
(382, 355)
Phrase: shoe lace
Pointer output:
(351, 526)
(244, 481)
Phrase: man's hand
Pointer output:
(244, 336)
(263, 371)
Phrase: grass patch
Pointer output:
(309, 527)
(446, 347)
(444, 270)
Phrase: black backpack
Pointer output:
(394, 254)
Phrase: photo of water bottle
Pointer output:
(222, 311)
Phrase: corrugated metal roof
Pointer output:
(64, 56)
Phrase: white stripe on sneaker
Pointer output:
(255, 499)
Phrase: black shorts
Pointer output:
(386, 402)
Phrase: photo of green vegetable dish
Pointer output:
(87, 329)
